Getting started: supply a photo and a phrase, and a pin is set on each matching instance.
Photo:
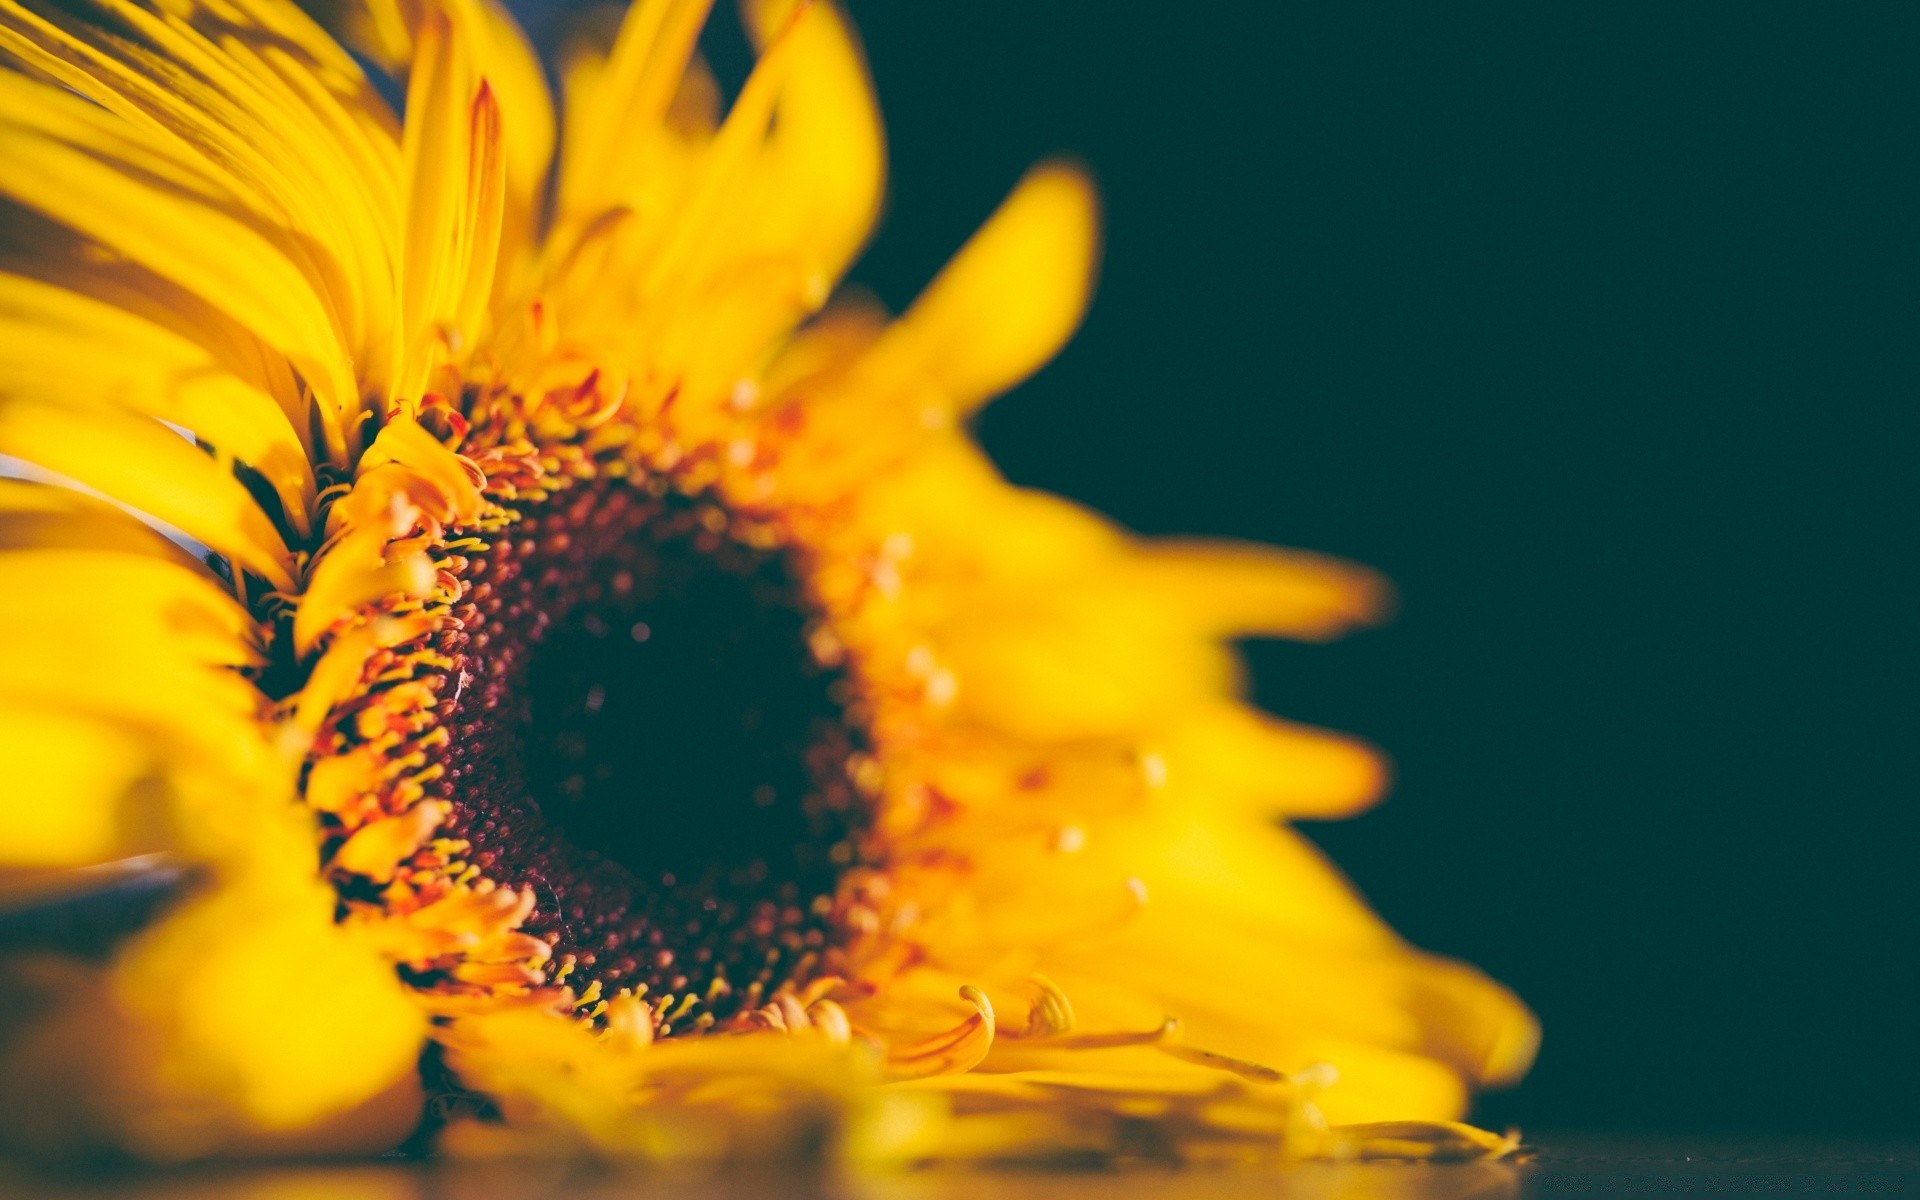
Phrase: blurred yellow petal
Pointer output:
(632, 92)
(79, 587)
(827, 138)
(1004, 306)
(376, 849)
(1476, 1024)
(133, 638)
(1072, 672)
(256, 1013)
(1244, 589)
(1246, 761)
(43, 516)
(68, 780)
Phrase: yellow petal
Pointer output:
(100, 181)
(147, 466)
(853, 320)
(1004, 306)
(1046, 673)
(1420, 1141)
(512, 68)
(449, 485)
(1254, 941)
(455, 189)
(137, 639)
(1240, 588)
(952, 1051)
(408, 479)
(67, 347)
(98, 594)
(631, 96)
(211, 720)
(827, 142)
(255, 100)
(49, 517)
(263, 1006)
(1474, 1023)
(337, 673)
(703, 224)
(353, 572)
(1243, 760)
(68, 788)
(377, 848)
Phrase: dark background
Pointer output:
(1592, 327)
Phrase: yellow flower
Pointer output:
(608, 702)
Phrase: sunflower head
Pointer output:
(502, 649)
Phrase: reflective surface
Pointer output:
(521, 1182)
(1561, 1167)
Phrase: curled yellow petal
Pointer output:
(379, 847)
(338, 672)
(356, 571)
(950, 1052)
(447, 487)
(1421, 1141)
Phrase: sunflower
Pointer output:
(552, 671)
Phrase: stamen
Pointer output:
(951, 1052)
(1051, 1014)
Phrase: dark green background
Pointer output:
(1591, 326)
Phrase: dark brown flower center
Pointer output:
(644, 734)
